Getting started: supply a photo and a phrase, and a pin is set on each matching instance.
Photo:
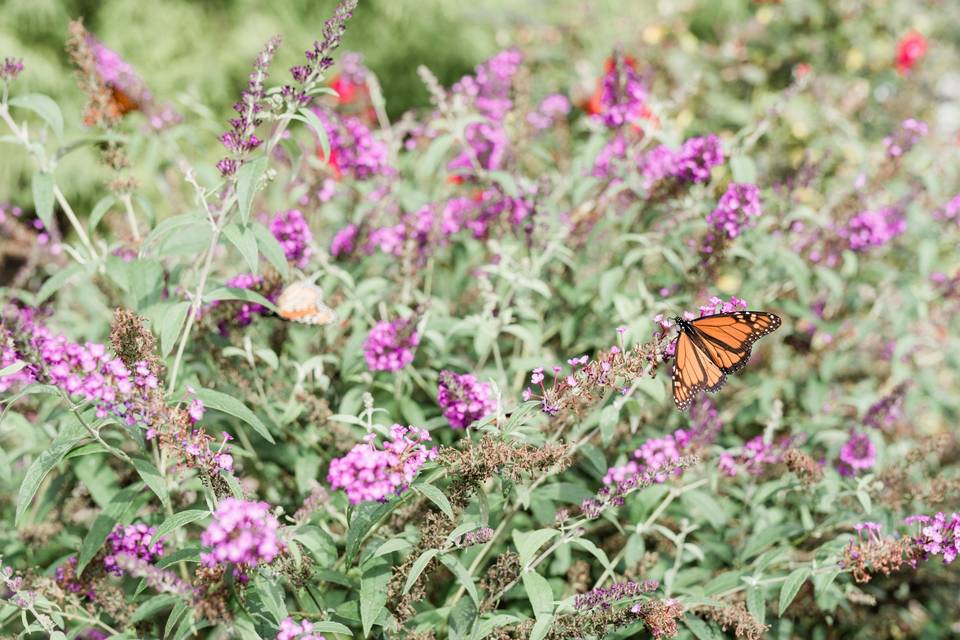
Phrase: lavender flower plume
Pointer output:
(10, 69)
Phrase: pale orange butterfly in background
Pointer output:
(303, 302)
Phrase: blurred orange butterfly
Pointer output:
(711, 347)
(303, 302)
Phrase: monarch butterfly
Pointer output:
(302, 302)
(711, 347)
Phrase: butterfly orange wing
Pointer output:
(728, 337)
(693, 371)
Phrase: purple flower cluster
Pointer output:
(118, 74)
(368, 473)
(692, 162)
(650, 456)
(389, 346)
(623, 95)
(905, 138)
(755, 456)
(737, 206)
(245, 310)
(241, 138)
(857, 454)
(291, 230)
(463, 399)
(482, 535)
(319, 57)
(86, 371)
(10, 215)
(938, 536)
(344, 241)
(10, 69)
(242, 532)
(950, 211)
(552, 109)
(489, 92)
(870, 229)
(354, 150)
(136, 540)
(609, 157)
(888, 410)
(293, 630)
(605, 597)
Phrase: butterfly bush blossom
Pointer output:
(88, 371)
(871, 229)
(755, 456)
(390, 344)
(652, 455)
(463, 398)
(354, 149)
(857, 454)
(290, 629)
(10, 69)
(905, 137)
(552, 109)
(623, 94)
(135, 540)
(242, 532)
(369, 473)
(737, 210)
(292, 232)
(937, 535)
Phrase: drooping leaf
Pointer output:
(791, 587)
(528, 542)
(373, 592)
(43, 106)
(43, 198)
(228, 404)
(248, 177)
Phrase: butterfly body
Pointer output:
(711, 347)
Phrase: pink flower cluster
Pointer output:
(368, 473)
(293, 630)
(937, 535)
(652, 455)
(950, 211)
(464, 400)
(292, 232)
(735, 210)
(242, 532)
(86, 371)
(870, 229)
(9, 213)
(389, 346)
(692, 162)
(623, 95)
(489, 92)
(755, 456)
(905, 138)
(10, 69)
(857, 454)
(344, 241)
(354, 149)
(135, 540)
(552, 109)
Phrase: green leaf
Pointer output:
(271, 596)
(43, 106)
(322, 138)
(55, 282)
(597, 552)
(539, 592)
(527, 543)
(364, 516)
(228, 404)
(541, 628)
(791, 586)
(699, 628)
(168, 226)
(248, 176)
(154, 605)
(418, 566)
(391, 545)
(270, 248)
(373, 592)
(122, 506)
(152, 478)
(180, 519)
(178, 611)
(328, 626)
(234, 293)
(42, 186)
(744, 169)
(170, 325)
(99, 210)
(11, 369)
(466, 581)
(435, 496)
(461, 619)
(246, 243)
(37, 471)
(756, 604)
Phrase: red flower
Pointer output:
(346, 90)
(910, 49)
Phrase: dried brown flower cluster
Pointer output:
(735, 616)
(102, 109)
(876, 554)
(804, 467)
(659, 618)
